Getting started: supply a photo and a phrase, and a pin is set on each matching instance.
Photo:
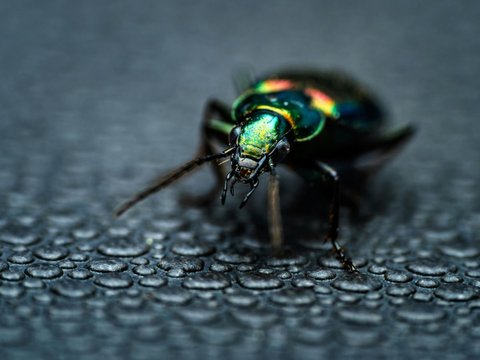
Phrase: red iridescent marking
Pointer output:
(273, 85)
(322, 102)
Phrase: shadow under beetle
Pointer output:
(322, 125)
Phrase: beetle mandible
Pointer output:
(322, 125)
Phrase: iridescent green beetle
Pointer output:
(322, 125)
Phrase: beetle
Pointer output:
(322, 125)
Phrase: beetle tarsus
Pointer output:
(253, 187)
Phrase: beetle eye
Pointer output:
(234, 135)
(281, 151)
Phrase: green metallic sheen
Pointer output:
(307, 121)
(261, 133)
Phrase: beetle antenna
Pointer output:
(253, 187)
(167, 179)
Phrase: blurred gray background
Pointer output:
(96, 98)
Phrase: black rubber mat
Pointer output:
(97, 98)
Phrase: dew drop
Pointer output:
(51, 253)
(259, 282)
(356, 283)
(153, 281)
(456, 292)
(21, 258)
(73, 290)
(44, 271)
(107, 265)
(123, 248)
(293, 297)
(192, 248)
(206, 281)
(114, 281)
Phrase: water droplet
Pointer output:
(245, 267)
(187, 264)
(80, 274)
(356, 283)
(11, 275)
(176, 273)
(21, 258)
(235, 258)
(427, 283)
(140, 261)
(377, 269)
(154, 281)
(256, 318)
(174, 296)
(192, 248)
(423, 296)
(144, 270)
(452, 278)
(293, 297)
(360, 316)
(219, 267)
(73, 289)
(429, 267)
(197, 314)
(30, 283)
(333, 263)
(44, 271)
(397, 276)
(303, 283)
(322, 274)
(67, 265)
(473, 273)
(206, 281)
(289, 259)
(322, 290)
(460, 251)
(364, 337)
(11, 291)
(420, 314)
(123, 248)
(400, 290)
(78, 257)
(456, 292)
(84, 234)
(19, 237)
(241, 298)
(259, 282)
(284, 275)
(51, 253)
(107, 265)
(114, 281)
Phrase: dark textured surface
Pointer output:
(96, 98)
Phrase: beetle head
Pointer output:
(260, 144)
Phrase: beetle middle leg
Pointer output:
(333, 217)
(319, 172)
(274, 214)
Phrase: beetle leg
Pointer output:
(214, 110)
(274, 214)
(333, 218)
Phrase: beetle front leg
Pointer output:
(274, 214)
(333, 217)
